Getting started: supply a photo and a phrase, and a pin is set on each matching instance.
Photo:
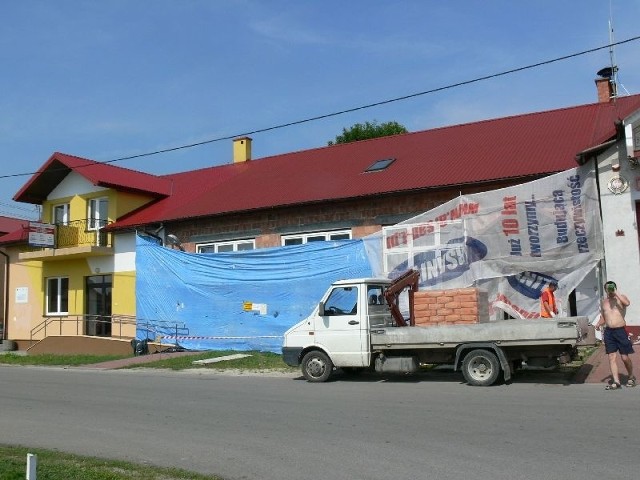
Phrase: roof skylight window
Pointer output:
(380, 165)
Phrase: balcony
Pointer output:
(80, 238)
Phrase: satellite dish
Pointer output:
(173, 241)
(607, 72)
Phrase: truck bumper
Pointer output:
(291, 356)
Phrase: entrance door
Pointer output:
(98, 306)
(340, 330)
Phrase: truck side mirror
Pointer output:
(321, 309)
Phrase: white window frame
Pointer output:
(58, 300)
(215, 247)
(309, 237)
(394, 254)
(94, 214)
(65, 214)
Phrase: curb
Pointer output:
(586, 373)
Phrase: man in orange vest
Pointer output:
(548, 308)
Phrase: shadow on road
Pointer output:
(440, 374)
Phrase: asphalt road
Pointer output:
(283, 428)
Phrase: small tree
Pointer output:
(366, 130)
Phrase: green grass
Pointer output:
(54, 465)
(257, 361)
(56, 360)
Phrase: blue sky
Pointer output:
(109, 79)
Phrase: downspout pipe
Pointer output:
(6, 296)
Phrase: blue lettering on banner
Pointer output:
(438, 266)
(560, 214)
(579, 224)
(532, 228)
(514, 247)
(530, 284)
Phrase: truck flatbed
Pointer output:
(569, 331)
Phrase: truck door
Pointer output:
(342, 328)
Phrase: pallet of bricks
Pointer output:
(459, 306)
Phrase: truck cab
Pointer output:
(338, 328)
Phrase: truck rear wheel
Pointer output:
(480, 368)
(316, 366)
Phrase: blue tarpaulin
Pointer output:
(236, 300)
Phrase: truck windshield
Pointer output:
(342, 301)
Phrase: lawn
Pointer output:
(256, 361)
(54, 465)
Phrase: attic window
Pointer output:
(380, 165)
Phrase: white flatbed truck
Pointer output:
(351, 330)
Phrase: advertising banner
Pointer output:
(510, 242)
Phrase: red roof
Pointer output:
(512, 147)
(100, 174)
(10, 224)
(13, 230)
(17, 236)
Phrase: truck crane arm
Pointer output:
(409, 280)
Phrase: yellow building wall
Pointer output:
(123, 302)
(120, 203)
(30, 277)
(27, 279)
(26, 297)
(127, 202)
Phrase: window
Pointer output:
(422, 245)
(342, 301)
(57, 296)
(378, 310)
(219, 247)
(98, 213)
(315, 237)
(380, 165)
(60, 214)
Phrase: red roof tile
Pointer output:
(100, 174)
(17, 236)
(510, 147)
(10, 224)
(13, 230)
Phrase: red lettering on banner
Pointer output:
(421, 231)
(397, 240)
(464, 209)
(510, 226)
(525, 313)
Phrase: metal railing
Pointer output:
(83, 232)
(110, 326)
(156, 329)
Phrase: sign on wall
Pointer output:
(22, 295)
(42, 234)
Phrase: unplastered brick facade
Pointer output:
(362, 216)
(451, 307)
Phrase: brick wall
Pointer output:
(362, 216)
(451, 307)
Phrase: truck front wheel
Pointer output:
(480, 368)
(316, 366)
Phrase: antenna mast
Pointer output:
(612, 58)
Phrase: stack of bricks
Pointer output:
(457, 306)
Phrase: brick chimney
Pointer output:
(605, 90)
(241, 149)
